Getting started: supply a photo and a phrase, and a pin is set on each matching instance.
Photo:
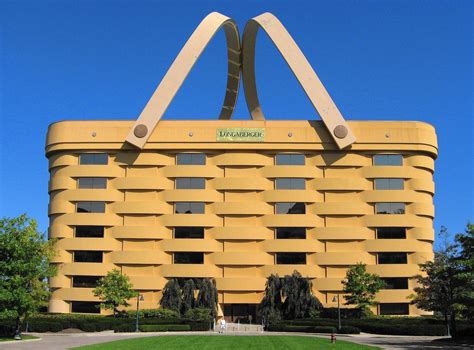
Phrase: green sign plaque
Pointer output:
(240, 134)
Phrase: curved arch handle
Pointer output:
(179, 70)
(304, 73)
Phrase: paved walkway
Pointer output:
(58, 341)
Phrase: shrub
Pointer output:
(42, 326)
(200, 326)
(348, 330)
(165, 328)
(299, 328)
(201, 314)
(331, 312)
(152, 313)
(124, 328)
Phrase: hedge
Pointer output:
(165, 328)
(304, 329)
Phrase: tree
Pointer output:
(361, 286)
(114, 290)
(464, 259)
(188, 296)
(299, 298)
(207, 296)
(171, 298)
(25, 258)
(270, 306)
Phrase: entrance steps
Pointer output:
(242, 327)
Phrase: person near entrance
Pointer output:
(222, 326)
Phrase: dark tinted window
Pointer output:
(391, 233)
(89, 231)
(388, 159)
(290, 184)
(392, 258)
(289, 159)
(189, 232)
(388, 184)
(90, 207)
(93, 158)
(86, 307)
(394, 309)
(88, 256)
(290, 232)
(189, 258)
(291, 258)
(290, 208)
(92, 182)
(85, 281)
(189, 208)
(390, 208)
(395, 282)
(190, 183)
(191, 159)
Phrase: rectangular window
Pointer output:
(388, 184)
(90, 207)
(189, 208)
(290, 184)
(93, 158)
(390, 208)
(392, 258)
(85, 307)
(394, 309)
(91, 256)
(188, 258)
(290, 208)
(92, 182)
(290, 258)
(89, 231)
(289, 159)
(391, 233)
(182, 183)
(388, 159)
(189, 232)
(395, 282)
(85, 281)
(191, 159)
(290, 232)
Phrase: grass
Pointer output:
(207, 342)
(23, 337)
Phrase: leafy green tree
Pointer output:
(361, 286)
(299, 298)
(25, 258)
(188, 296)
(464, 260)
(171, 298)
(207, 297)
(114, 290)
(270, 306)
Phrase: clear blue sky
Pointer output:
(381, 60)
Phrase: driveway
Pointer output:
(58, 341)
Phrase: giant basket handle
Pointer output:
(179, 70)
(304, 73)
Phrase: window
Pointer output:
(388, 184)
(93, 158)
(189, 208)
(90, 207)
(394, 309)
(290, 184)
(291, 258)
(189, 232)
(190, 183)
(91, 256)
(89, 231)
(289, 159)
(388, 159)
(191, 159)
(391, 233)
(390, 208)
(396, 282)
(290, 232)
(290, 208)
(85, 281)
(189, 258)
(85, 307)
(392, 258)
(92, 182)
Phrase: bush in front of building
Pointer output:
(282, 327)
(160, 313)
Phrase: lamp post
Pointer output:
(336, 297)
(139, 298)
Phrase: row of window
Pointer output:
(198, 207)
(280, 232)
(200, 159)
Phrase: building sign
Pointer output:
(240, 134)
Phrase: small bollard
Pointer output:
(333, 338)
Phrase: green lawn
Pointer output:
(23, 337)
(198, 342)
